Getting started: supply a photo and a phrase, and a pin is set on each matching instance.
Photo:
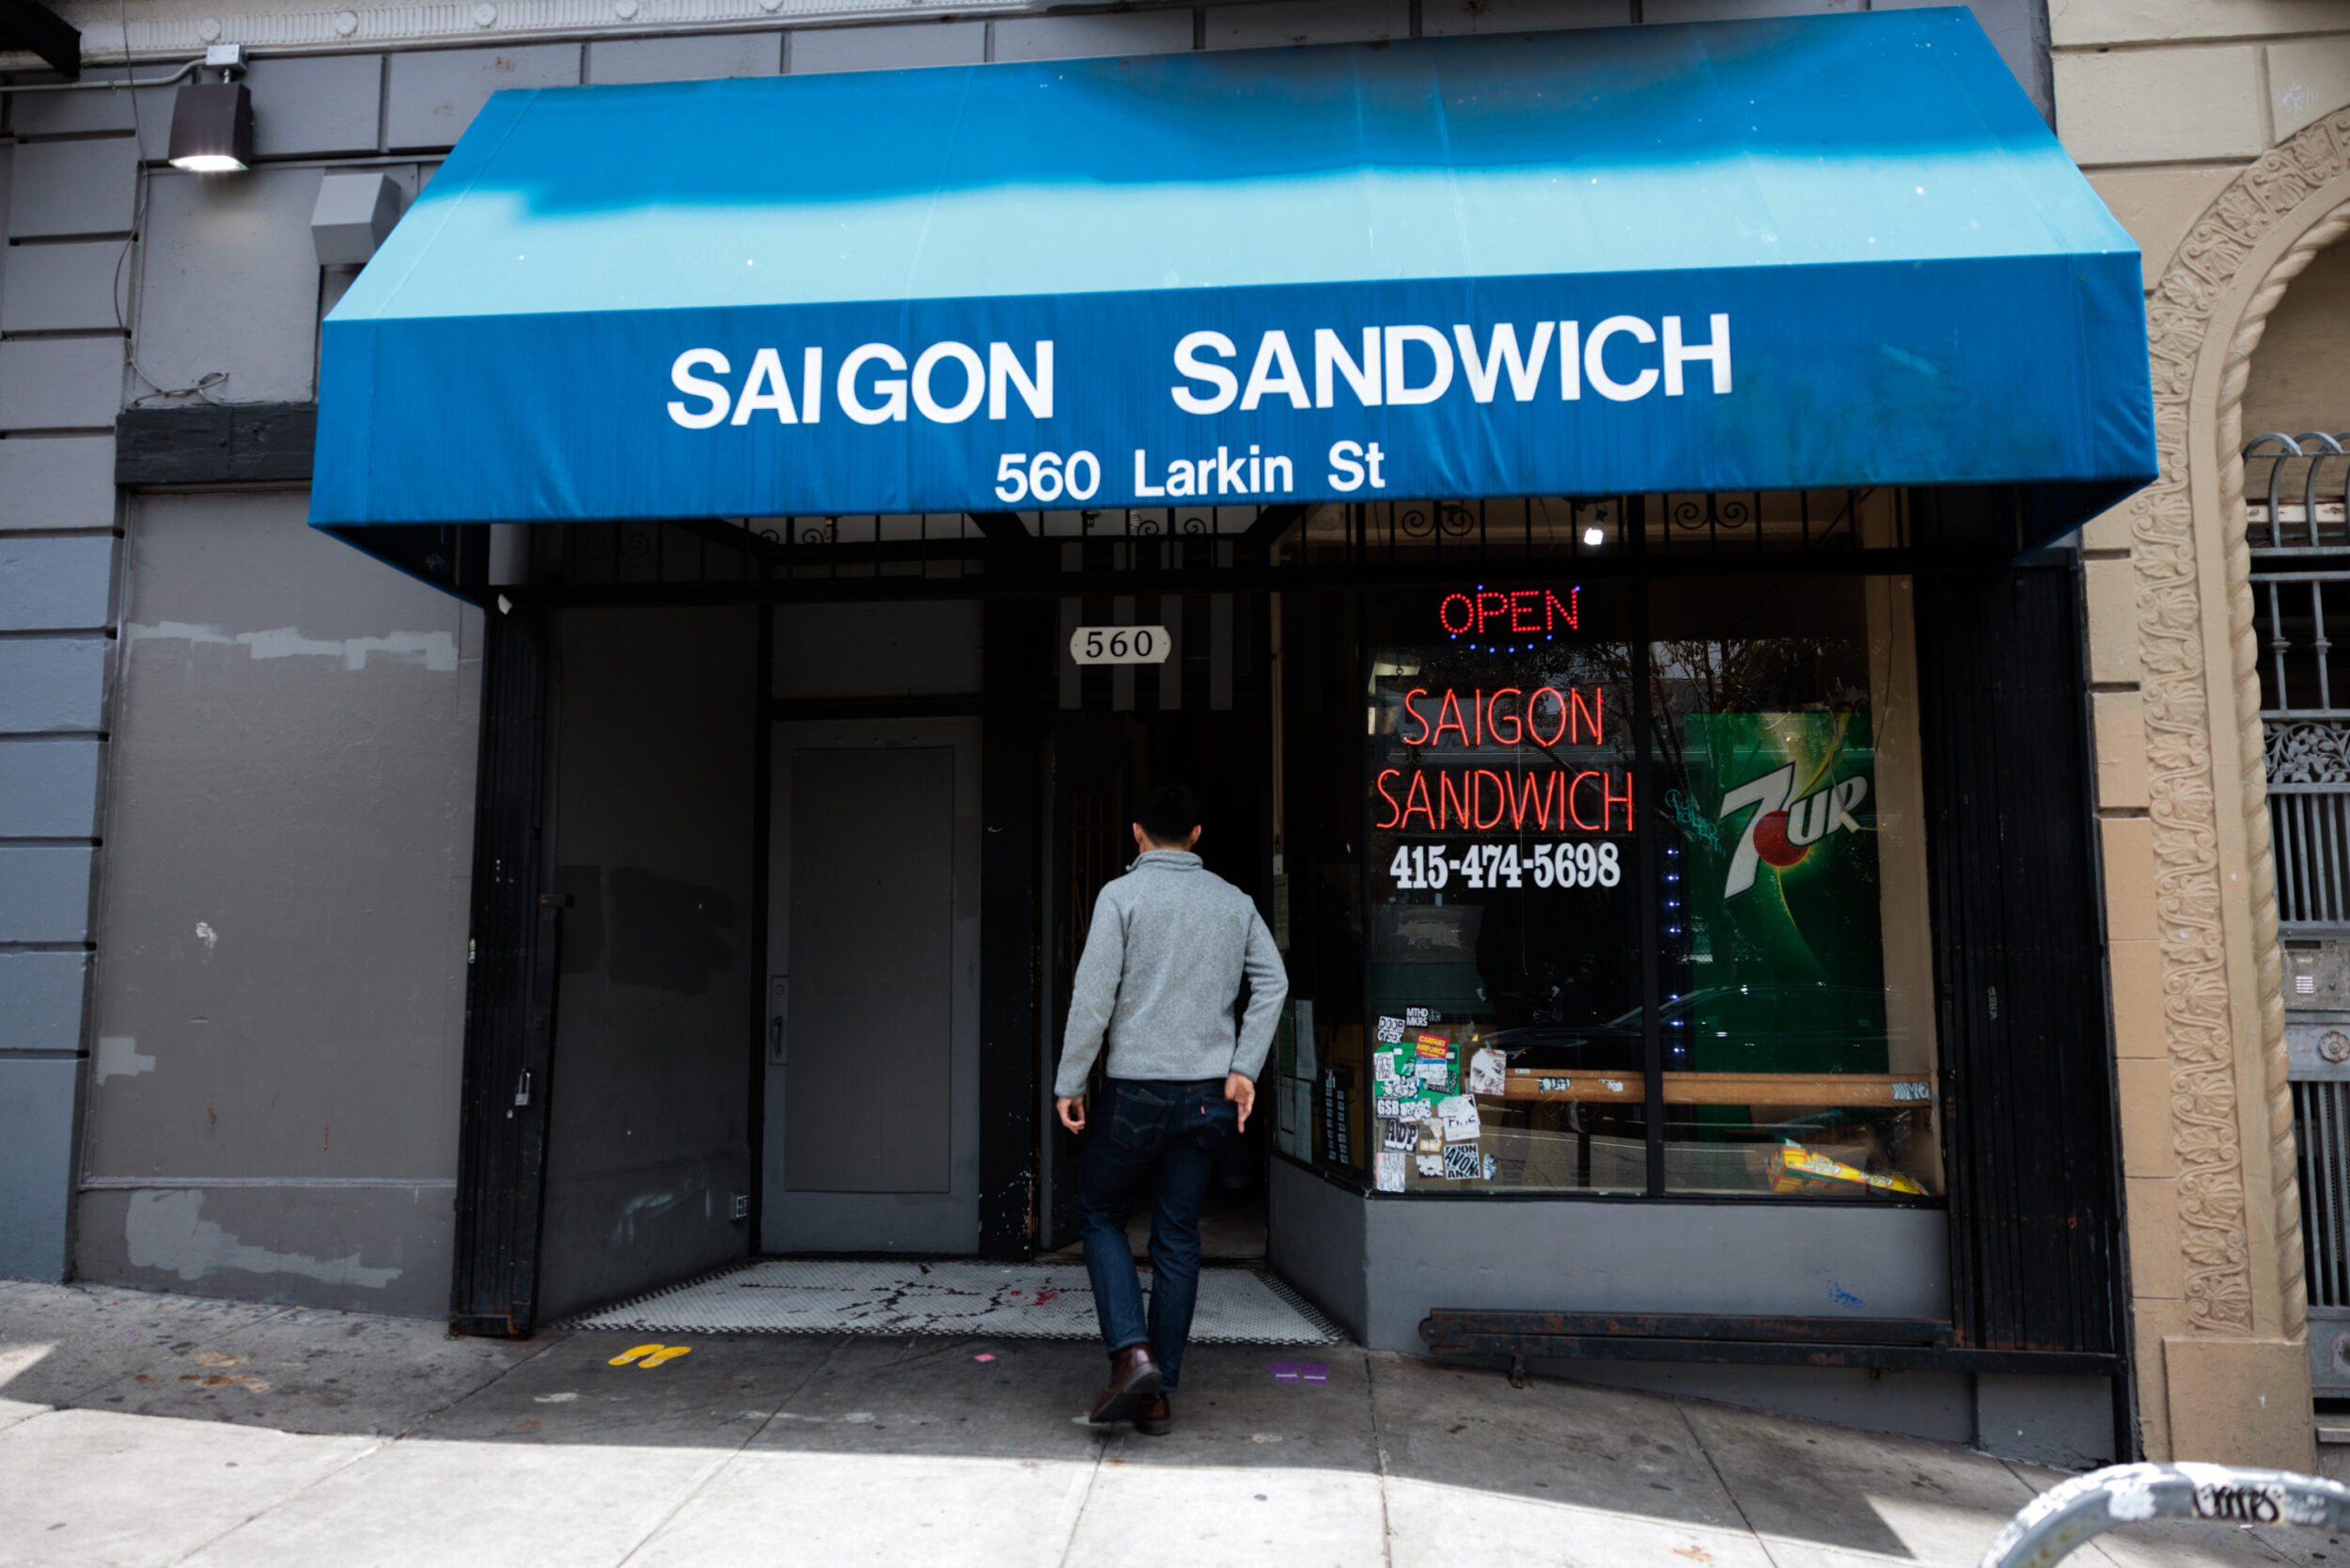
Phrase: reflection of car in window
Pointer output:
(1796, 1028)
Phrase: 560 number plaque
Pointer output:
(1121, 645)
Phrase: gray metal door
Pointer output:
(873, 989)
(873, 900)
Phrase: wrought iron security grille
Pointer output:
(2321, 1130)
(2299, 531)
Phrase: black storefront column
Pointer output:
(1010, 980)
(2027, 1092)
(510, 996)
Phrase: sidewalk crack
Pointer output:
(1722, 1480)
(1379, 1447)
(839, 1342)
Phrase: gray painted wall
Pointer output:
(272, 1090)
(1378, 1266)
(648, 1132)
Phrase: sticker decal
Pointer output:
(1485, 1075)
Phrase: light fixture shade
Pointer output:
(211, 127)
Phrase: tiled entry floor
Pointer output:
(1027, 1301)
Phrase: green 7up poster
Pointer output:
(1778, 828)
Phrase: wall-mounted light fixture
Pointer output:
(211, 122)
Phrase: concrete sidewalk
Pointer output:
(144, 1429)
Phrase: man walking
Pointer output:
(1163, 965)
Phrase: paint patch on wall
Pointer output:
(165, 1231)
(206, 934)
(437, 650)
(118, 1057)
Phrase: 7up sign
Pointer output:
(1780, 832)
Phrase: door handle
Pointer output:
(775, 1041)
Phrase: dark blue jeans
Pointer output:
(1165, 1134)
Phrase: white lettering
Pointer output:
(681, 377)
(893, 404)
(811, 386)
(1717, 351)
(1362, 377)
(1570, 364)
(1345, 473)
(1003, 368)
(1525, 374)
(1399, 392)
(766, 388)
(974, 382)
(1273, 353)
(1595, 361)
(1189, 365)
(1142, 482)
(1231, 473)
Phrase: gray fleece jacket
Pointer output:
(1170, 944)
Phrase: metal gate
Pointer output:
(2298, 528)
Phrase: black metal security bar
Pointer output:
(1055, 552)
(2297, 522)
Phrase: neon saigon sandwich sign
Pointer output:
(1459, 777)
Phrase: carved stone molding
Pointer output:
(2184, 754)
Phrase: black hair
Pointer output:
(1167, 814)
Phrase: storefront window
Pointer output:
(1797, 1035)
(1503, 939)
(1719, 777)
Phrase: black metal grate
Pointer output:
(2321, 1130)
(2295, 490)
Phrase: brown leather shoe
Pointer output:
(1133, 1379)
(1156, 1418)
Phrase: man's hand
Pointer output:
(1242, 1092)
(1073, 1113)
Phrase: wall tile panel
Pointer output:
(1445, 18)
(2161, 105)
(2308, 79)
(2094, 22)
(56, 584)
(36, 1165)
(44, 894)
(696, 58)
(57, 482)
(48, 789)
(80, 114)
(1074, 38)
(900, 48)
(435, 93)
(52, 684)
(70, 287)
(1291, 21)
(41, 1000)
(60, 383)
(59, 188)
(320, 106)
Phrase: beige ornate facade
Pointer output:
(2219, 134)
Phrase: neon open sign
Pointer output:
(1487, 615)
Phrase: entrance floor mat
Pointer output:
(1018, 1301)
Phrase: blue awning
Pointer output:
(1821, 251)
